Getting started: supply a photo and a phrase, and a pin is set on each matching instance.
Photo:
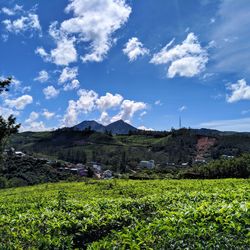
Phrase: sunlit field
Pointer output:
(125, 214)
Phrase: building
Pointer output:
(107, 174)
(147, 164)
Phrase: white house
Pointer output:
(147, 164)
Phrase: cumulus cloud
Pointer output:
(94, 22)
(22, 24)
(43, 76)
(48, 115)
(19, 103)
(145, 128)
(42, 53)
(109, 101)
(187, 59)
(50, 92)
(33, 116)
(12, 11)
(65, 52)
(31, 124)
(104, 118)
(74, 84)
(88, 101)
(128, 109)
(68, 74)
(85, 104)
(134, 48)
(240, 91)
(6, 112)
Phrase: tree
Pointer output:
(7, 126)
(4, 84)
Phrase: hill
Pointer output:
(118, 127)
(90, 124)
(166, 148)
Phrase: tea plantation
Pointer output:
(126, 214)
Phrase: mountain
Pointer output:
(120, 127)
(90, 124)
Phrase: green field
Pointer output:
(125, 214)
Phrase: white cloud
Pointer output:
(182, 108)
(20, 102)
(41, 52)
(143, 113)
(26, 89)
(240, 91)
(88, 101)
(71, 116)
(68, 74)
(145, 128)
(48, 115)
(22, 24)
(241, 125)
(109, 101)
(128, 109)
(85, 104)
(11, 12)
(65, 52)
(187, 59)
(33, 116)
(6, 112)
(158, 103)
(104, 118)
(50, 92)
(134, 48)
(43, 76)
(95, 22)
(74, 84)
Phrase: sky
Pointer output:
(147, 62)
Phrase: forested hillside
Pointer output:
(176, 146)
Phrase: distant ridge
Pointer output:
(90, 124)
(118, 127)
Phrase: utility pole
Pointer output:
(180, 122)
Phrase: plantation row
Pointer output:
(121, 214)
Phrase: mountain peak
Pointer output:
(117, 127)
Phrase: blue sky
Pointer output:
(146, 62)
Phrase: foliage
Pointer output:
(23, 171)
(4, 84)
(238, 167)
(9, 126)
(125, 214)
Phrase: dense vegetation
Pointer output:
(176, 146)
(172, 214)
(23, 171)
(238, 167)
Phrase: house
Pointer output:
(227, 156)
(107, 174)
(19, 153)
(147, 164)
(10, 151)
(97, 168)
